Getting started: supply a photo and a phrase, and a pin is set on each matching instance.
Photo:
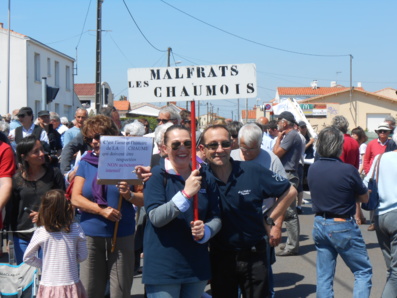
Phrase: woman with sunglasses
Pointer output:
(176, 259)
(29, 184)
(98, 204)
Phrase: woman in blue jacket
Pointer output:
(176, 254)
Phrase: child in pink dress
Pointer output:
(63, 244)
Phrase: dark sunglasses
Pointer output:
(88, 140)
(215, 145)
(164, 120)
(176, 145)
(383, 131)
(234, 136)
(23, 115)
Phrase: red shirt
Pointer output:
(7, 161)
(7, 165)
(373, 149)
(350, 153)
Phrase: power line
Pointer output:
(141, 30)
(85, 20)
(249, 40)
(74, 36)
(111, 37)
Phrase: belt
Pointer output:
(333, 215)
(290, 171)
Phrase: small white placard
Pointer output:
(119, 156)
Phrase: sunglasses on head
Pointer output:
(383, 131)
(164, 120)
(177, 145)
(96, 137)
(215, 145)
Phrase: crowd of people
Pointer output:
(248, 182)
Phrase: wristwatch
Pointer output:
(269, 221)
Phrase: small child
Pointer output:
(63, 244)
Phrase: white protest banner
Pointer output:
(118, 157)
(186, 83)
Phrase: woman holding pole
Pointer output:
(102, 210)
(176, 259)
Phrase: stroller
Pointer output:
(17, 280)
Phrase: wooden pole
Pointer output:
(194, 161)
(116, 226)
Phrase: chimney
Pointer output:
(333, 83)
(314, 84)
(359, 85)
(1, 25)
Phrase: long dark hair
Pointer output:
(23, 148)
(56, 212)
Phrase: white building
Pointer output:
(30, 60)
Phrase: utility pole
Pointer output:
(207, 113)
(98, 77)
(238, 109)
(169, 57)
(8, 58)
(168, 65)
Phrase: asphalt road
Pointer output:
(295, 276)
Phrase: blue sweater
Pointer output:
(171, 253)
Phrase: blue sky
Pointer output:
(366, 29)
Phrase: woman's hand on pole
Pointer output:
(193, 183)
(197, 229)
(124, 189)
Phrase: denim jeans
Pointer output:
(386, 231)
(185, 290)
(20, 246)
(331, 238)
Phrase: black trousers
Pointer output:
(246, 269)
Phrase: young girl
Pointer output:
(63, 244)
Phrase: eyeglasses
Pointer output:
(383, 131)
(215, 145)
(96, 137)
(164, 120)
(234, 136)
(23, 115)
(177, 145)
(187, 121)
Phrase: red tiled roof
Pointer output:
(84, 89)
(251, 114)
(121, 105)
(316, 98)
(384, 89)
(309, 91)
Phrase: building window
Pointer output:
(48, 67)
(67, 78)
(37, 67)
(57, 108)
(56, 74)
(68, 112)
(37, 106)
